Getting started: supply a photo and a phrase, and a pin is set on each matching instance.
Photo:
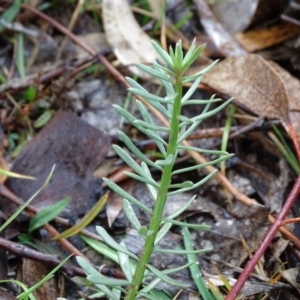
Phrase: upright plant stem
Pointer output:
(161, 195)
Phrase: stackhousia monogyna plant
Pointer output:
(171, 74)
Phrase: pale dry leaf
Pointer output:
(253, 83)
(225, 43)
(129, 42)
(157, 7)
(236, 16)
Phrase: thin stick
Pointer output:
(265, 243)
(51, 260)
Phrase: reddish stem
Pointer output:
(265, 243)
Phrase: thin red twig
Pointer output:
(265, 243)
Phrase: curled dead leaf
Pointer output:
(129, 42)
(253, 82)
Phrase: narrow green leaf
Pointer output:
(43, 119)
(192, 57)
(212, 112)
(142, 179)
(189, 53)
(182, 209)
(185, 119)
(201, 182)
(182, 252)
(136, 151)
(190, 78)
(130, 214)
(209, 163)
(150, 126)
(151, 188)
(48, 214)
(20, 56)
(185, 134)
(201, 150)
(194, 226)
(149, 287)
(112, 243)
(10, 13)
(148, 132)
(124, 263)
(179, 56)
(20, 284)
(154, 73)
(162, 53)
(155, 294)
(144, 112)
(166, 278)
(165, 70)
(200, 102)
(191, 90)
(134, 84)
(107, 251)
(25, 294)
(185, 184)
(23, 206)
(195, 271)
(148, 96)
(129, 117)
(167, 85)
(117, 293)
(91, 271)
(172, 55)
(107, 281)
(162, 232)
(15, 175)
(30, 93)
(129, 160)
(126, 195)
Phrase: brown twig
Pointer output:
(265, 243)
(51, 260)
(17, 83)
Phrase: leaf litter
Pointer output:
(259, 86)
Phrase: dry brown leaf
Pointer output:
(32, 272)
(258, 39)
(292, 85)
(236, 16)
(129, 42)
(253, 83)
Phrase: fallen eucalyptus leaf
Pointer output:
(253, 82)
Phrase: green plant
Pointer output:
(172, 77)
